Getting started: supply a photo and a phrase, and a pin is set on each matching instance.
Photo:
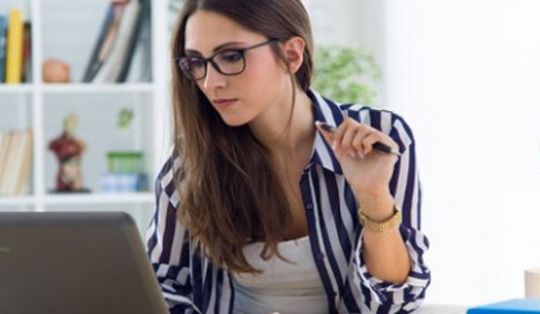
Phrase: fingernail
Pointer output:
(334, 145)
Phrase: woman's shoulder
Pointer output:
(169, 168)
(382, 119)
(385, 120)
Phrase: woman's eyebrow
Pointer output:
(192, 51)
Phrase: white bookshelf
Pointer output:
(99, 88)
(68, 30)
(16, 89)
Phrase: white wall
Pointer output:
(465, 75)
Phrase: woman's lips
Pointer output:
(224, 103)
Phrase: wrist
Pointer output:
(381, 226)
(376, 205)
(371, 193)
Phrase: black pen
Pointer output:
(378, 146)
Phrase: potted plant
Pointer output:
(347, 74)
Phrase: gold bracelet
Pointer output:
(380, 227)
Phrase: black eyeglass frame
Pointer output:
(210, 59)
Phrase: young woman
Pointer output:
(261, 210)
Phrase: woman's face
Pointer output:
(263, 81)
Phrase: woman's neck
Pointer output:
(270, 128)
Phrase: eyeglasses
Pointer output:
(227, 62)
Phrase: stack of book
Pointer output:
(15, 48)
(15, 161)
(123, 40)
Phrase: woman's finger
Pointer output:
(357, 141)
(369, 140)
(378, 137)
(338, 135)
(346, 140)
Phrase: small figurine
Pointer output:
(68, 151)
(56, 71)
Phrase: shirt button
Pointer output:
(309, 206)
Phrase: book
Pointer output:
(4, 145)
(9, 173)
(112, 65)
(14, 50)
(15, 162)
(142, 56)
(91, 67)
(27, 53)
(4, 155)
(108, 39)
(143, 20)
(23, 170)
(3, 44)
(515, 306)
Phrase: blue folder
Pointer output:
(515, 306)
(3, 46)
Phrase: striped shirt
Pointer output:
(192, 284)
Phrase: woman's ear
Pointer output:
(293, 50)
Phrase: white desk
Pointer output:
(441, 309)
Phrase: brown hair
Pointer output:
(229, 192)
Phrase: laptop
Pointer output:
(75, 262)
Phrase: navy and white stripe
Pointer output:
(191, 284)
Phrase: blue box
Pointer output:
(515, 306)
(124, 182)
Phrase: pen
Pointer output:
(378, 146)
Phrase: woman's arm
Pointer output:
(385, 253)
(388, 268)
(391, 265)
(167, 246)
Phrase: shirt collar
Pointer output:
(326, 111)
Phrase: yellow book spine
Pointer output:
(14, 51)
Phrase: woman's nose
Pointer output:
(213, 78)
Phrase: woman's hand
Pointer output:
(367, 171)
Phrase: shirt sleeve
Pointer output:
(386, 297)
(167, 245)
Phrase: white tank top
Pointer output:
(282, 287)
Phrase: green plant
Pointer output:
(346, 74)
(125, 117)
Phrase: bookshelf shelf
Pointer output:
(17, 200)
(67, 30)
(96, 198)
(26, 88)
(29, 88)
(99, 88)
(118, 198)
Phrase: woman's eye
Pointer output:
(196, 63)
(231, 56)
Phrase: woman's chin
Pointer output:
(234, 121)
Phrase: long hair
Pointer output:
(230, 195)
